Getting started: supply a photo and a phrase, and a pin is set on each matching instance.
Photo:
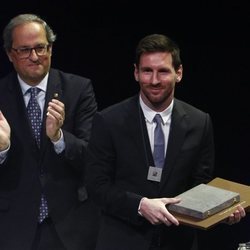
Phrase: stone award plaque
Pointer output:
(203, 201)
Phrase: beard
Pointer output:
(158, 101)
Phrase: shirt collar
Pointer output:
(42, 85)
(149, 114)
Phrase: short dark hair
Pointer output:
(158, 43)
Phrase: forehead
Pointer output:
(155, 59)
(28, 33)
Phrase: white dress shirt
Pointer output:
(59, 145)
(149, 115)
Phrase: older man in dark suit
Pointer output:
(45, 123)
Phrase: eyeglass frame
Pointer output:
(19, 50)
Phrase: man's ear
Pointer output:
(9, 56)
(179, 74)
(136, 73)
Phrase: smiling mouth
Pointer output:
(155, 89)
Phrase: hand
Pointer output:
(55, 119)
(155, 211)
(236, 216)
(4, 133)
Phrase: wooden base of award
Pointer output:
(212, 220)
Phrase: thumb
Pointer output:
(2, 118)
(171, 200)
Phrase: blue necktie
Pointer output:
(34, 114)
(159, 143)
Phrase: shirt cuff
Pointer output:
(139, 208)
(59, 145)
(3, 155)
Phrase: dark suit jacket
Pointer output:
(119, 155)
(20, 183)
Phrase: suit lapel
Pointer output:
(16, 113)
(138, 131)
(53, 87)
(145, 139)
(177, 133)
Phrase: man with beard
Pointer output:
(146, 150)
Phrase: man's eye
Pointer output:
(146, 71)
(24, 50)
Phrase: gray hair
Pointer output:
(22, 19)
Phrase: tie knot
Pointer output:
(33, 91)
(158, 119)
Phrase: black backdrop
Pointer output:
(97, 39)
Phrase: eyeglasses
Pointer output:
(24, 53)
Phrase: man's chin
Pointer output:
(156, 99)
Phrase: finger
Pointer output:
(166, 221)
(242, 211)
(236, 216)
(171, 218)
(230, 220)
(57, 102)
(58, 122)
(1, 116)
(54, 113)
(171, 200)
